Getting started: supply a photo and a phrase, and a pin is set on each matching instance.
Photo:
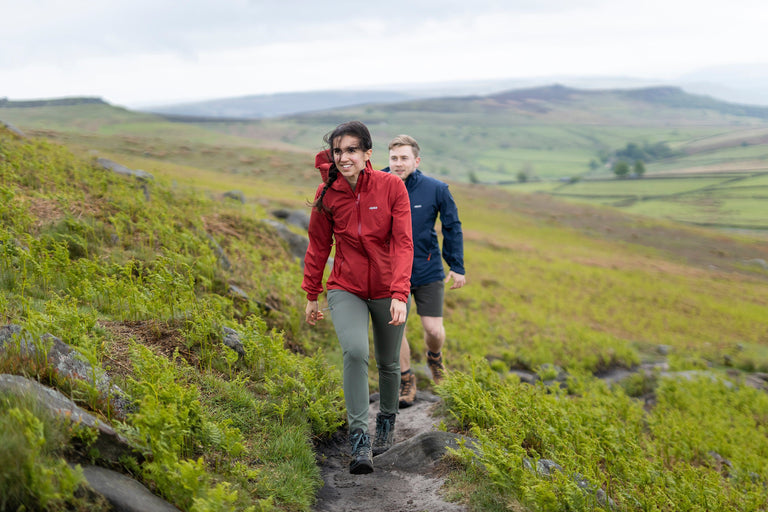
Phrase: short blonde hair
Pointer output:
(405, 140)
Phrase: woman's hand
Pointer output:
(312, 312)
(399, 311)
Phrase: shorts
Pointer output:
(429, 298)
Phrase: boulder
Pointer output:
(110, 446)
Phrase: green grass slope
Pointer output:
(126, 274)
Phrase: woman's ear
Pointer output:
(368, 154)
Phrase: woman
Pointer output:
(367, 214)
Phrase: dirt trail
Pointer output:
(405, 479)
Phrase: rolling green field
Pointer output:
(550, 136)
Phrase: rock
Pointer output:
(109, 444)
(68, 364)
(298, 218)
(10, 332)
(232, 340)
(221, 257)
(418, 453)
(13, 129)
(758, 262)
(238, 292)
(546, 467)
(124, 493)
(297, 244)
(125, 171)
(525, 376)
(237, 195)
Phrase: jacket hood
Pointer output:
(323, 163)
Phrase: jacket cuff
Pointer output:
(400, 296)
(312, 296)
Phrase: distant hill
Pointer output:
(275, 105)
(55, 102)
(542, 133)
(559, 99)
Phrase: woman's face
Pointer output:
(350, 157)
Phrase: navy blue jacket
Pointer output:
(430, 197)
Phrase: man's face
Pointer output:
(402, 162)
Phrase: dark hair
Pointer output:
(353, 128)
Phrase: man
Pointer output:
(429, 198)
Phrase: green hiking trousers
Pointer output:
(350, 315)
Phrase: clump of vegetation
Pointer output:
(34, 474)
(588, 446)
(644, 152)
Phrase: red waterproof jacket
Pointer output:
(371, 227)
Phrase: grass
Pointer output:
(85, 256)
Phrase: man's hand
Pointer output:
(312, 312)
(459, 280)
(399, 311)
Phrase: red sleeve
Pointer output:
(401, 249)
(320, 242)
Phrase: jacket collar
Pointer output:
(413, 179)
(361, 179)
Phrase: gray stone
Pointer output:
(221, 257)
(124, 493)
(67, 362)
(298, 218)
(232, 340)
(13, 129)
(546, 467)
(525, 376)
(297, 244)
(238, 292)
(123, 170)
(759, 262)
(421, 452)
(109, 444)
(237, 195)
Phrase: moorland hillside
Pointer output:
(600, 360)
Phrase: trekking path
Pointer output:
(405, 478)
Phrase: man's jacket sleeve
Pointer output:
(319, 248)
(453, 237)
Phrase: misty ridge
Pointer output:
(741, 84)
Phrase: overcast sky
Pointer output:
(143, 52)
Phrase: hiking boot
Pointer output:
(435, 363)
(361, 453)
(407, 389)
(385, 433)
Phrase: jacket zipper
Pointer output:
(360, 238)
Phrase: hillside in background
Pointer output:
(554, 140)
